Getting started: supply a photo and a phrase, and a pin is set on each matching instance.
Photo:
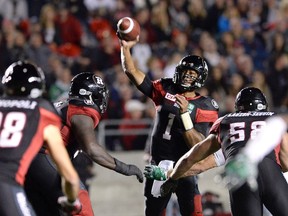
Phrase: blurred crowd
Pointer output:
(245, 43)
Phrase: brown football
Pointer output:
(128, 29)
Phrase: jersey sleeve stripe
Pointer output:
(206, 115)
(77, 110)
(31, 151)
(50, 118)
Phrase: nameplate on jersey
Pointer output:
(250, 114)
(170, 97)
(24, 104)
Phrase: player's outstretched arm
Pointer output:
(197, 153)
(71, 182)
(83, 128)
(134, 74)
(158, 173)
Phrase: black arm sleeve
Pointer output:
(146, 87)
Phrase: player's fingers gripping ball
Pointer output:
(128, 29)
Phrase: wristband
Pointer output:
(187, 122)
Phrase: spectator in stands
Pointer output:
(236, 83)
(50, 31)
(255, 46)
(70, 28)
(60, 88)
(134, 112)
(142, 52)
(259, 81)
(155, 68)
(197, 15)
(217, 86)
(37, 51)
(19, 48)
(210, 48)
(211, 204)
(213, 14)
(278, 80)
(14, 10)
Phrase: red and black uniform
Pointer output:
(22, 122)
(233, 131)
(44, 196)
(168, 142)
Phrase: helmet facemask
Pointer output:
(190, 63)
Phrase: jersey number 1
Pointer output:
(167, 135)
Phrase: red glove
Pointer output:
(69, 207)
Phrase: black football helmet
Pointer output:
(91, 88)
(250, 99)
(23, 78)
(191, 62)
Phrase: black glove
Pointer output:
(128, 170)
(68, 207)
(168, 187)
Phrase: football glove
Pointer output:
(155, 172)
(238, 171)
(70, 208)
(128, 170)
(168, 187)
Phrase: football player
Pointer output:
(168, 143)
(27, 122)
(81, 113)
(231, 133)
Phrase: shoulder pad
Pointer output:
(166, 80)
(81, 102)
(210, 103)
(48, 105)
(168, 83)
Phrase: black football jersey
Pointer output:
(22, 122)
(235, 129)
(167, 139)
(67, 109)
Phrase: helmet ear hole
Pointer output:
(191, 62)
(250, 99)
(91, 89)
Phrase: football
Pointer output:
(128, 29)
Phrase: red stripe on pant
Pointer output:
(198, 205)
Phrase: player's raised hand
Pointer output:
(182, 102)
